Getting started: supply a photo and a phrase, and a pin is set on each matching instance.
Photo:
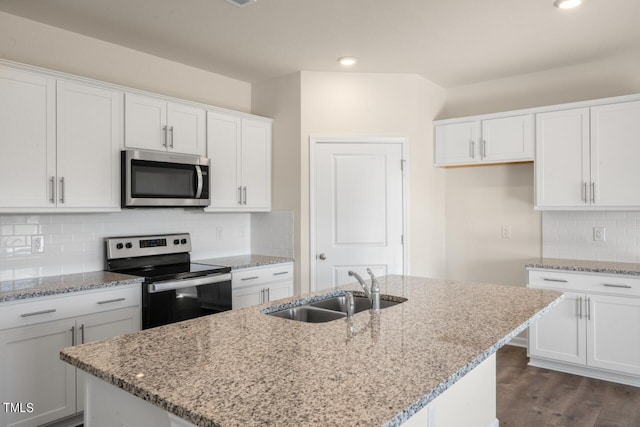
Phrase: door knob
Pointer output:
(322, 257)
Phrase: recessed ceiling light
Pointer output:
(241, 3)
(347, 61)
(567, 4)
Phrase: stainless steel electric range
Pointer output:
(174, 288)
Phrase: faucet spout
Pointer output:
(372, 294)
(362, 283)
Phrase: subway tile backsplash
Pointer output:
(569, 234)
(272, 233)
(73, 243)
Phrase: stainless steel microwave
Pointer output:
(155, 179)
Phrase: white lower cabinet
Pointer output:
(594, 331)
(42, 387)
(253, 286)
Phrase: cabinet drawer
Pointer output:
(45, 309)
(252, 276)
(590, 283)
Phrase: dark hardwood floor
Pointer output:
(534, 397)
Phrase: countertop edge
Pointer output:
(583, 269)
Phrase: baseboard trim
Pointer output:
(585, 371)
(518, 342)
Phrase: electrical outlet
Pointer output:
(506, 231)
(242, 232)
(37, 244)
(219, 233)
(598, 234)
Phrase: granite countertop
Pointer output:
(45, 286)
(625, 268)
(243, 367)
(245, 261)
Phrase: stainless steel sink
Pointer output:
(309, 314)
(362, 303)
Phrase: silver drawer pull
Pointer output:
(609, 285)
(280, 273)
(554, 280)
(250, 278)
(111, 300)
(37, 313)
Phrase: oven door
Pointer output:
(164, 179)
(176, 300)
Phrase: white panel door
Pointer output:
(145, 124)
(186, 129)
(613, 333)
(89, 139)
(223, 147)
(31, 372)
(508, 138)
(457, 143)
(256, 163)
(358, 211)
(27, 136)
(615, 154)
(101, 326)
(560, 334)
(562, 158)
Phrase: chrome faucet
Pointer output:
(372, 294)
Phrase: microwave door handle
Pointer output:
(200, 183)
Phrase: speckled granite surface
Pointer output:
(244, 261)
(244, 368)
(626, 268)
(44, 286)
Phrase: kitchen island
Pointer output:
(244, 367)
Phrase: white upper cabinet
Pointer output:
(491, 140)
(587, 158)
(59, 151)
(156, 124)
(240, 153)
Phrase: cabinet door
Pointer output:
(279, 290)
(457, 143)
(102, 326)
(31, 372)
(223, 148)
(186, 129)
(560, 334)
(613, 333)
(145, 124)
(615, 154)
(88, 146)
(256, 164)
(507, 139)
(562, 158)
(27, 135)
(246, 297)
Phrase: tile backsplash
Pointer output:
(272, 233)
(569, 234)
(73, 243)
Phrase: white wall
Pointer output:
(33, 43)
(508, 190)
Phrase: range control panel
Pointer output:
(137, 246)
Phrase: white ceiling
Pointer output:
(450, 42)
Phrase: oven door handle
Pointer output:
(169, 285)
(200, 182)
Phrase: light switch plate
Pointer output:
(506, 231)
(37, 244)
(598, 234)
(219, 233)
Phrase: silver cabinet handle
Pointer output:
(584, 192)
(244, 189)
(109, 301)
(611, 285)
(261, 296)
(580, 308)
(268, 294)
(472, 150)
(62, 189)
(171, 131)
(52, 182)
(82, 334)
(165, 130)
(484, 148)
(322, 257)
(593, 192)
(554, 280)
(73, 335)
(239, 195)
(37, 313)
(588, 308)
(250, 278)
(280, 273)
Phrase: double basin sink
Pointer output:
(331, 308)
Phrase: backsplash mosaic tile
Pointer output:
(569, 234)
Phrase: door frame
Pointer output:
(313, 143)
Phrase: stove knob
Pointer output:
(129, 245)
(119, 246)
(183, 241)
(176, 242)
